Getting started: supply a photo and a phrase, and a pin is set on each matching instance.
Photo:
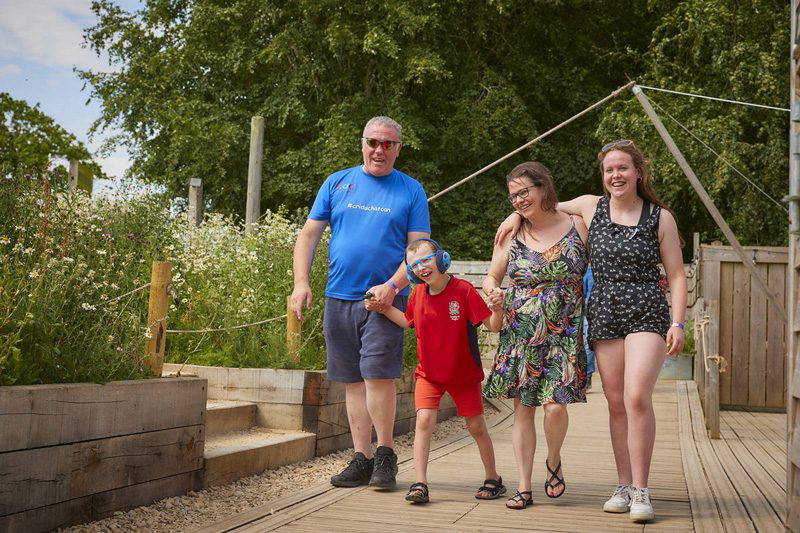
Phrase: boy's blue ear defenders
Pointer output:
(442, 262)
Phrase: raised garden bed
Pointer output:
(73, 453)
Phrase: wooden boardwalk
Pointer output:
(733, 484)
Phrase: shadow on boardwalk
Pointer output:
(736, 483)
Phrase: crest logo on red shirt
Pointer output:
(455, 310)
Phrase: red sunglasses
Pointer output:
(386, 145)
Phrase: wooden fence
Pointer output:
(751, 334)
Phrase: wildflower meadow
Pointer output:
(67, 262)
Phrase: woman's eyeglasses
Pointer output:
(520, 194)
(422, 262)
(386, 145)
(610, 146)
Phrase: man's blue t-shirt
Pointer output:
(370, 218)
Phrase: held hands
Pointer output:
(300, 295)
(675, 340)
(496, 298)
(372, 304)
(508, 227)
(383, 297)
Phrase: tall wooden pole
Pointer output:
(160, 279)
(73, 175)
(707, 201)
(292, 331)
(793, 290)
(254, 173)
(195, 202)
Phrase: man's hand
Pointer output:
(384, 297)
(301, 295)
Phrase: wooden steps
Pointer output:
(224, 416)
(236, 447)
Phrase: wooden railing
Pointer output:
(708, 363)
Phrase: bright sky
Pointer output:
(40, 44)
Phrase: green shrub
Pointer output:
(63, 257)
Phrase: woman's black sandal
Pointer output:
(418, 493)
(519, 497)
(559, 481)
(494, 487)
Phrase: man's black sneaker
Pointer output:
(358, 472)
(383, 476)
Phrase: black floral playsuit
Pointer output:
(626, 297)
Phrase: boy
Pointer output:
(445, 313)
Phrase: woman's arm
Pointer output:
(497, 271)
(671, 257)
(583, 206)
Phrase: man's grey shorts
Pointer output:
(362, 344)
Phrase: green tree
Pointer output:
(29, 140)
(735, 50)
(469, 80)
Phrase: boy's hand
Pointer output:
(373, 305)
(384, 297)
(496, 298)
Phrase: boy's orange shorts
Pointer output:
(468, 399)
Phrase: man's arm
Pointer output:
(304, 249)
(385, 293)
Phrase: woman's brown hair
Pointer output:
(540, 177)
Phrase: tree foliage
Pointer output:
(30, 140)
(469, 81)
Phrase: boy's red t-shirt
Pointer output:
(447, 332)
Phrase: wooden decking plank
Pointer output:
(774, 494)
(761, 513)
(732, 510)
(775, 437)
(770, 463)
(725, 485)
(705, 514)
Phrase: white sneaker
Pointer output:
(641, 508)
(620, 501)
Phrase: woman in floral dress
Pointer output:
(540, 360)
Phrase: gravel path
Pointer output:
(198, 508)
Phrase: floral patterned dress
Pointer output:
(540, 358)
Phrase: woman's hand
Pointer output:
(508, 227)
(496, 297)
(675, 340)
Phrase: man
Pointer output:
(374, 212)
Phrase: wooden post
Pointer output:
(699, 354)
(254, 173)
(195, 202)
(292, 331)
(160, 279)
(706, 199)
(712, 376)
(73, 175)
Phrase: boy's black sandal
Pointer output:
(519, 497)
(559, 481)
(494, 487)
(418, 493)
